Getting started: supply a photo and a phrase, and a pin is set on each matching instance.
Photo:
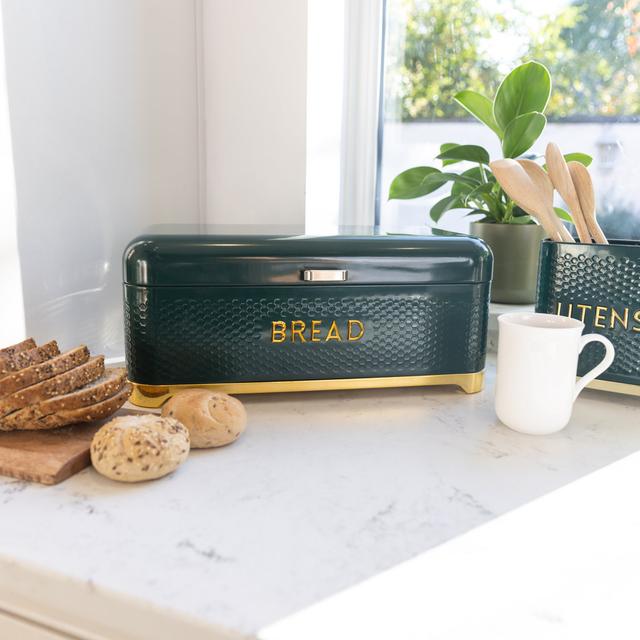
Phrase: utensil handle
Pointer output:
(605, 363)
(561, 233)
(580, 222)
(596, 232)
(564, 232)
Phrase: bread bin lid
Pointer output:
(186, 255)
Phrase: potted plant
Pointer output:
(516, 116)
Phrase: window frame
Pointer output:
(363, 121)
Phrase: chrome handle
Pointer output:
(325, 275)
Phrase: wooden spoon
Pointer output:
(542, 181)
(584, 188)
(523, 191)
(561, 179)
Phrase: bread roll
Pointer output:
(138, 448)
(213, 419)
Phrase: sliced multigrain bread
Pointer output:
(24, 359)
(63, 383)
(85, 414)
(25, 345)
(104, 387)
(38, 372)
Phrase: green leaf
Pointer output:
(450, 202)
(525, 89)
(445, 147)
(521, 133)
(443, 232)
(419, 181)
(479, 190)
(488, 216)
(563, 215)
(492, 203)
(480, 107)
(459, 177)
(582, 158)
(482, 196)
(469, 152)
(415, 182)
(517, 211)
(521, 219)
(474, 175)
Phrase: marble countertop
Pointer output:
(323, 492)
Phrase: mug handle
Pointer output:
(605, 363)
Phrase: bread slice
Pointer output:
(24, 359)
(96, 411)
(38, 372)
(29, 343)
(104, 387)
(63, 383)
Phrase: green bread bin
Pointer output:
(598, 284)
(253, 313)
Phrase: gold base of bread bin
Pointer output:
(615, 387)
(153, 396)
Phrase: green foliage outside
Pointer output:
(591, 47)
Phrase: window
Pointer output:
(592, 49)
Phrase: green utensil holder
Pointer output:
(598, 284)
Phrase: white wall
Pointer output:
(255, 54)
(11, 309)
(102, 96)
(126, 113)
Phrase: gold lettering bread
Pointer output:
(213, 419)
(138, 448)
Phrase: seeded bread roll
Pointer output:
(213, 419)
(138, 448)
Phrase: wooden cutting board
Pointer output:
(51, 456)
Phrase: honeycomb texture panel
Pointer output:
(596, 278)
(198, 334)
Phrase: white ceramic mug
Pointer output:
(537, 366)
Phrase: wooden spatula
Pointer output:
(520, 188)
(561, 179)
(584, 188)
(542, 181)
